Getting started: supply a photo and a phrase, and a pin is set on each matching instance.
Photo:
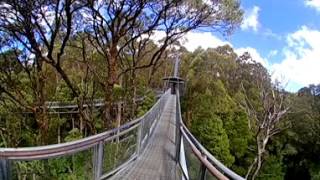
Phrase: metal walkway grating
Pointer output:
(157, 162)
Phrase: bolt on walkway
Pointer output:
(157, 161)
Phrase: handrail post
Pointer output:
(5, 169)
(203, 169)
(139, 137)
(98, 160)
(178, 124)
(160, 108)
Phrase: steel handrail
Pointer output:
(63, 149)
(199, 148)
(209, 156)
(203, 158)
(57, 150)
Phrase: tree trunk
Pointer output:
(42, 121)
(151, 73)
(111, 81)
(260, 154)
(251, 168)
(81, 113)
(40, 111)
(108, 106)
(72, 122)
(259, 163)
(59, 134)
(118, 117)
(255, 167)
(134, 94)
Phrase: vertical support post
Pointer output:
(174, 86)
(98, 160)
(138, 148)
(182, 161)
(202, 171)
(176, 67)
(178, 133)
(159, 108)
(5, 169)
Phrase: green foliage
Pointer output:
(208, 127)
(273, 169)
(118, 92)
(148, 102)
(237, 124)
(211, 133)
(302, 140)
(74, 134)
(315, 171)
(216, 118)
(214, 110)
(119, 151)
(72, 167)
(192, 162)
(63, 93)
(76, 64)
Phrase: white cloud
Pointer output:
(254, 54)
(272, 53)
(270, 34)
(251, 19)
(157, 36)
(192, 40)
(207, 40)
(301, 65)
(313, 3)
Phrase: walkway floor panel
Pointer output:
(157, 161)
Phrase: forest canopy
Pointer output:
(80, 52)
(236, 110)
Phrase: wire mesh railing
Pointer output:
(95, 157)
(195, 161)
(100, 156)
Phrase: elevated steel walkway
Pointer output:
(155, 146)
(157, 161)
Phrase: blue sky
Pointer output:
(276, 19)
(284, 35)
